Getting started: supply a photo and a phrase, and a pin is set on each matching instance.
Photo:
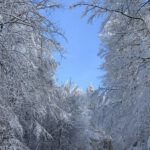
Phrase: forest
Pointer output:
(36, 113)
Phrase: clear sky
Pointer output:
(81, 62)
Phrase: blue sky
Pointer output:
(81, 62)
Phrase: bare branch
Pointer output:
(92, 6)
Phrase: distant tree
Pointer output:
(90, 89)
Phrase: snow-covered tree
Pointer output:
(27, 43)
(125, 34)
